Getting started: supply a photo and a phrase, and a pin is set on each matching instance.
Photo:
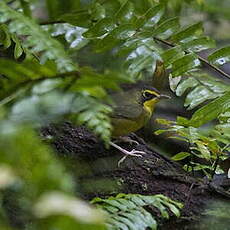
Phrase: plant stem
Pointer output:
(26, 8)
(215, 166)
(203, 60)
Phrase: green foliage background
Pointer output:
(60, 58)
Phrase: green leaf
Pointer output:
(202, 87)
(210, 111)
(173, 209)
(198, 95)
(124, 31)
(180, 156)
(142, 6)
(203, 150)
(167, 28)
(164, 121)
(139, 63)
(224, 117)
(103, 26)
(199, 44)
(224, 129)
(171, 55)
(18, 50)
(8, 39)
(188, 34)
(118, 34)
(111, 7)
(173, 206)
(5, 37)
(125, 13)
(22, 75)
(128, 47)
(80, 18)
(151, 17)
(107, 43)
(185, 64)
(97, 11)
(215, 85)
(72, 34)
(26, 70)
(220, 57)
(190, 82)
(173, 82)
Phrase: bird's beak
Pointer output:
(163, 96)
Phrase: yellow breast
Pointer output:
(123, 126)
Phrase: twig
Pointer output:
(51, 22)
(199, 57)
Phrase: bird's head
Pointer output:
(149, 97)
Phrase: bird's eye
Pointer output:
(147, 95)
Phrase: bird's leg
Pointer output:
(136, 153)
(127, 139)
(126, 152)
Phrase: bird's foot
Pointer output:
(130, 153)
(134, 152)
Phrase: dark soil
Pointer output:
(97, 174)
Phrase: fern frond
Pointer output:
(199, 88)
(127, 211)
(21, 75)
(95, 115)
(134, 33)
(37, 40)
(134, 38)
(211, 111)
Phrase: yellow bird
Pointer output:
(133, 109)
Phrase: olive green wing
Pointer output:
(126, 104)
(127, 111)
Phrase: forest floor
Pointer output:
(98, 175)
